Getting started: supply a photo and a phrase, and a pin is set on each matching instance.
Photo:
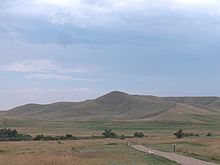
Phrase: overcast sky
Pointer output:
(71, 50)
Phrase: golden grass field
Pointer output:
(106, 151)
(80, 152)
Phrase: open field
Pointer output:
(84, 152)
(106, 151)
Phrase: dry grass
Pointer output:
(159, 136)
(82, 152)
(103, 151)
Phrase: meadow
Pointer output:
(80, 152)
(106, 151)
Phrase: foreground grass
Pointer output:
(159, 136)
(81, 152)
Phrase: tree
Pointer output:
(109, 134)
(8, 133)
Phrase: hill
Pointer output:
(122, 106)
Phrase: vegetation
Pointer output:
(209, 134)
(138, 134)
(9, 135)
(47, 138)
(13, 135)
(82, 152)
(109, 134)
(181, 134)
(158, 133)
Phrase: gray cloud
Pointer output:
(109, 21)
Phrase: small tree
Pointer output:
(209, 134)
(109, 134)
(179, 134)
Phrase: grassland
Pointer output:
(84, 152)
(33, 126)
(107, 151)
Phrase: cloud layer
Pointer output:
(100, 21)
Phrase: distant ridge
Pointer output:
(118, 105)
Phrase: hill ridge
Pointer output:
(118, 105)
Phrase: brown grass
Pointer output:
(67, 153)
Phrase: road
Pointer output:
(184, 160)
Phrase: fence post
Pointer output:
(174, 147)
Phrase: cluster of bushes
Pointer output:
(139, 134)
(13, 135)
(180, 134)
(47, 138)
(108, 133)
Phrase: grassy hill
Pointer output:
(122, 106)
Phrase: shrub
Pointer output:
(13, 135)
(47, 138)
(7, 133)
(179, 134)
(209, 134)
(23, 137)
(109, 134)
(138, 134)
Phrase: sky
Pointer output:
(73, 50)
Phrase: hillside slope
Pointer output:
(122, 106)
